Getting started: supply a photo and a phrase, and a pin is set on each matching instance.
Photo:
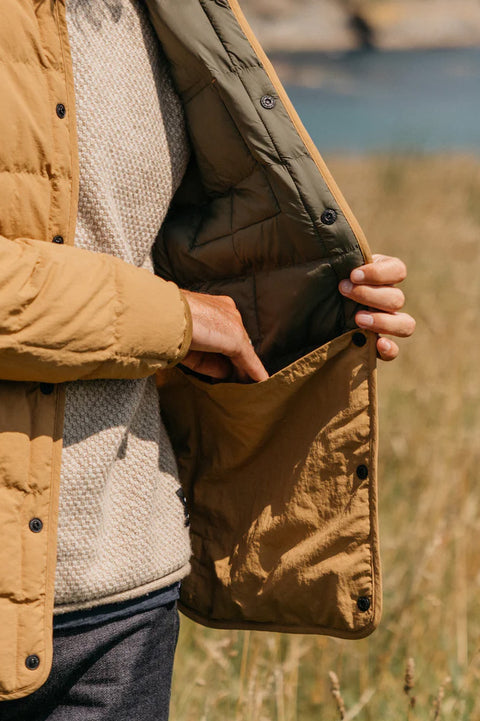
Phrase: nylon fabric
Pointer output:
(54, 325)
(283, 529)
(278, 482)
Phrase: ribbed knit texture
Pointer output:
(121, 524)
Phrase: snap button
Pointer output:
(359, 339)
(329, 216)
(47, 388)
(35, 525)
(363, 603)
(57, 239)
(61, 110)
(181, 496)
(268, 102)
(32, 662)
(362, 472)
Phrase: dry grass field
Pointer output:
(426, 210)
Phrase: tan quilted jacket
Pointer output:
(280, 477)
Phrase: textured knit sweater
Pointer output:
(121, 523)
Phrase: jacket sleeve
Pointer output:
(68, 314)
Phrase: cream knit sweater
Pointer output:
(121, 525)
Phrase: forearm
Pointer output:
(67, 314)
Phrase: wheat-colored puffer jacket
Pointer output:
(280, 476)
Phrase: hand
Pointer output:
(372, 285)
(220, 340)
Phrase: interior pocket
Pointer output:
(280, 480)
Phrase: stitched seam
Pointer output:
(25, 347)
(49, 176)
(373, 485)
(232, 233)
(71, 106)
(215, 72)
(243, 69)
(52, 131)
(261, 271)
(17, 61)
(238, 182)
(50, 501)
(285, 162)
(187, 101)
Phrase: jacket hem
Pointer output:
(359, 633)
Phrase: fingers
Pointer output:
(385, 270)
(372, 285)
(401, 325)
(208, 364)
(382, 297)
(387, 349)
(240, 351)
(247, 362)
(218, 330)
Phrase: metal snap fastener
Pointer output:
(57, 239)
(32, 662)
(61, 110)
(35, 525)
(268, 102)
(181, 496)
(363, 603)
(362, 472)
(329, 216)
(47, 388)
(359, 339)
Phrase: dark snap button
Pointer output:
(181, 496)
(61, 110)
(362, 472)
(58, 239)
(363, 603)
(35, 525)
(32, 662)
(268, 102)
(329, 216)
(47, 388)
(359, 339)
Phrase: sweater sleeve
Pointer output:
(69, 314)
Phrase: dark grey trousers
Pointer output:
(118, 671)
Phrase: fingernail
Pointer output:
(364, 319)
(346, 286)
(357, 276)
(386, 345)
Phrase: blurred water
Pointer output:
(402, 101)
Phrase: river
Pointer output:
(408, 101)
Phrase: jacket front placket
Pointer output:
(31, 416)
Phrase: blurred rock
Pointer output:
(425, 23)
(338, 25)
(300, 25)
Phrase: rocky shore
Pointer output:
(342, 25)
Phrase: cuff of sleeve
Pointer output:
(152, 322)
(187, 338)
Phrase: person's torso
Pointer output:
(121, 523)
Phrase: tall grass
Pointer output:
(426, 210)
